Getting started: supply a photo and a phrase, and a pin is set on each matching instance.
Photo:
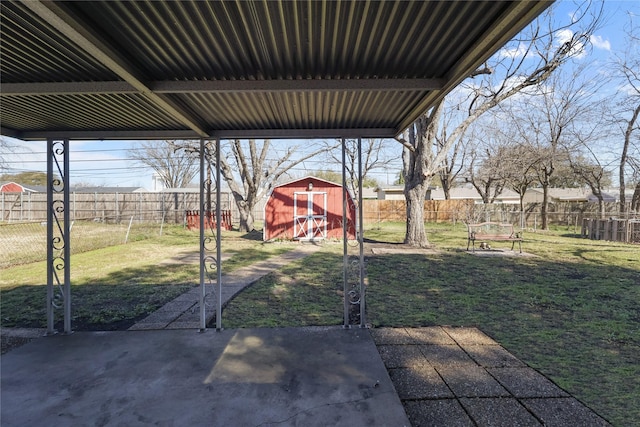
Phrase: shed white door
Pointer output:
(309, 215)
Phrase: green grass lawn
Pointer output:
(571, 311)
(113, 287)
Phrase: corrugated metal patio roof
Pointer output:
(239, 69)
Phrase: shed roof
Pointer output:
(307, 178)
(241, 68)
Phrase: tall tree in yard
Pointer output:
(251, 169)
(487, 175)
(527, 61)
(6, 148)
(176, 167)
(558, 124)
(373, 157)
(627, 68)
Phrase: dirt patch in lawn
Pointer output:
(397, 249)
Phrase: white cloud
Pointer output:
(574, 17)
(513, 52)
(566, 35)
(600, 43)
(628, 90)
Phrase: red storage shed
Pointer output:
(308, 209)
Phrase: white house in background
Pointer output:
(396, 192)
(369, 193)
(157, 183)
(13, 187)
(574, 195)
(507, 196)
(103, 190)
(392, 192)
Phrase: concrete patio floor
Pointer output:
(246, 377)
(315, 376)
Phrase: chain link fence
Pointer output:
(167, 207)
(26, 242)
(568, 214)
(102, 220)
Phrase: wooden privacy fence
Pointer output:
(434, 210)
(617, 230)
(107, 207)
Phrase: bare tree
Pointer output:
(7, 147)
(528, 61)
(557, 123)
(594, 175)
(635, 199)
(251, 170)
(373, 157)
(519, 161)
(589, 166)
(176, 168)
(455, 161)
(486, 172)
(627, 67)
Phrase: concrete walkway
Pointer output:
(449, 376)
(183, 312)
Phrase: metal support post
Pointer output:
(345, 254)
(58, 234)
(218, 239)
(361, 237)
(203, 318)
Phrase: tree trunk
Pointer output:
(624, 159)
(415, 233)
(545, 205)
(246, 217)
(601, 206)
(635, 199)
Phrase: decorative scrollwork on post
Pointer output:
(58, 230)
(210, 240)
(354, 291)
(353, 275)
(57, 268)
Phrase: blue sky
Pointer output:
(106, 162)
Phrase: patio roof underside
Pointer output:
(239, 69)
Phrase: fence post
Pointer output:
(162, 223)
(30, 215)
(128, 230)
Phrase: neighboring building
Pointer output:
(369, 193)
(469, 193)
(308, 209)
(396, 192)
(107, 190)
(392, 192)
(14, 187)
(572, 195)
